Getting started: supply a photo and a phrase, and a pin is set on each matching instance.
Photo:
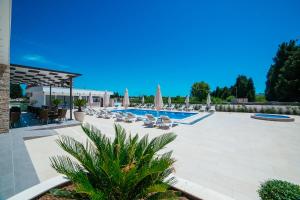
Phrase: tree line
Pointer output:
(283, 78)
(243, 88)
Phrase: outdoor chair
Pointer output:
(14, 118)
(43, 116)
(62, 114)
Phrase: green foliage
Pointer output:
(123, 168)
(230, 98)
(216, 100)
(63, 193)
(200, 90)
(15, 91)
(279, 190)
(283, 78)
(56, 102)
(80, 103)
(243, 88)
(260, 98)
(222, 93)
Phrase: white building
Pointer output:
(40, 95)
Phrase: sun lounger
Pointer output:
(190, 108)
(171, 107)
(181, 108)
(119, 117)
(130, 117)
(212, 109)
(149, 121)
(165, 122)
(202, 109)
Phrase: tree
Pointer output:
(15, 91)
(250, 90)
(288, 83)
(123, 168)
(241, 86)
(283, 75)
(200, 90)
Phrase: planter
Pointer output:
(79, 116)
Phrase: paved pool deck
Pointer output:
(229, 153)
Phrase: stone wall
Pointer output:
(4, 98)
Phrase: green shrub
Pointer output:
(288, 111)
(221, 108)
(230, 99)
(280, 111)
(255, 110)
(262, 110)
(279, 190)
(250, 110)
(229, 109)
(233, 109)
(122, 168)
(294, 111)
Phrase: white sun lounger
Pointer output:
(171, 107)
(212, 109)
(190, 108)
(181, 108)
(166, 122)
(150, 120)
(202, 109)
(130, 117)
(119, 117)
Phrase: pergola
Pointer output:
(36, 76)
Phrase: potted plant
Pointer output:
(126, 167)
(79, 114)
(56, 102)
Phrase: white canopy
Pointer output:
(208, 101)
(187, 100)
(126, 102)
(106, 99)
(90, 99)
(158, 101)
(169, 101)
(143, 100)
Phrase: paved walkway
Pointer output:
(229, 153)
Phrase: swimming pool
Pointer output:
(272, 117)
(171, 114)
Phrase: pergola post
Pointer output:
(50, 96)
(71, 97)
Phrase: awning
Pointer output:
(39, 76)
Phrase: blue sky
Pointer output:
(139, 44)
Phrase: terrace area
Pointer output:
(216, 158)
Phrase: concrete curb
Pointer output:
(182, 185)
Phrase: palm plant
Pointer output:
(123, 168)
(56, 102)
(80, 103)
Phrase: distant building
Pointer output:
(240, 100)
(40, 95)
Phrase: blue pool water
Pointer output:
(173, 115)
(272, 116)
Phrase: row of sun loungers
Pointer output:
(149, 120)
(181, 108)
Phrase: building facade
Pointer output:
(40, 95)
